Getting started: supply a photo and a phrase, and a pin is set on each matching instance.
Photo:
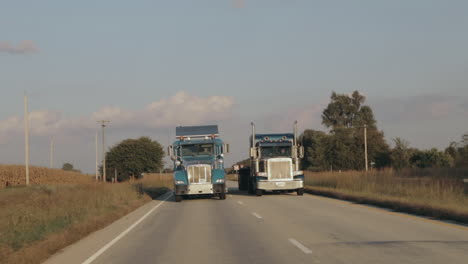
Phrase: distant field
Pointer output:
(38, 220)
(231, 177)
(14, 175)
(436, 193)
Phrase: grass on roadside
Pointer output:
(37, 221)
(436, 196)
(14, 175)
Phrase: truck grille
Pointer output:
(200, 173)
(280, 169)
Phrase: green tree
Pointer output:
(345, 111)
(346, 116)
(132, 157)
(458, 151)
(67, 167)
(314, 150)
(431, 159)
(339, 150)
(400, 154)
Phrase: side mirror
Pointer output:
(170, 152)
(301, 152)
(226, 149)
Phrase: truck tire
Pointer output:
(258, 192)
(300, 191)
(178, 198)
(222, 196)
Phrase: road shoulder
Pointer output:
(86, 247)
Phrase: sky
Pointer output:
(149, 66)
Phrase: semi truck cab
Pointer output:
(198, 159)
(274, 164)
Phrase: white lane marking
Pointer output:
(240, 202)
(110, 244)
(257, 215)
(300, 246)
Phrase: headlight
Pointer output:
(219, 181)
(177, 163)
(179, 182)
(220, 160)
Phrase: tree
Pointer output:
(458, 151)
(340, 151)
(132, 157)
(345, 111)
(400, 154)
(346, 116)
(67, 167)
(314, 150)
(431, 159)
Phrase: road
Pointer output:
(271, 229)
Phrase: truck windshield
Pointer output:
(197, 149)
(276, 151)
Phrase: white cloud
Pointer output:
(25, 46)
(180, 109)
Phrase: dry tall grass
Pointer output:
(441, 193)
(154, 184)
(14, 175)
(231, 177)
(39, 220)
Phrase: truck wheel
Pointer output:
(300, 191)
(258, 192)
(178, 198)
(222, 196)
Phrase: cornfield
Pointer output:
(14, 175)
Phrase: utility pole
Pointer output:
(51, 153)
(97, 157)
(103, 125)
(26, 137)
(365, 147)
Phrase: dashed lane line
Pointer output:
(300, 246)
(257, 215)
(113, 241)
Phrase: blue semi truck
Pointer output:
(274, 164)
(198, 157)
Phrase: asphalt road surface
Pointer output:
(273, 228)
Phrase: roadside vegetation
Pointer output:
(13, 175)
(231, 177)
(38, 220)
(437, 193)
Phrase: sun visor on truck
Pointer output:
(192, 131)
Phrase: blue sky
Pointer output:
(270, 61)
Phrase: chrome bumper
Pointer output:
(205, 188)
(279, 185)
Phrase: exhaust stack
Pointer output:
(295, 148)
